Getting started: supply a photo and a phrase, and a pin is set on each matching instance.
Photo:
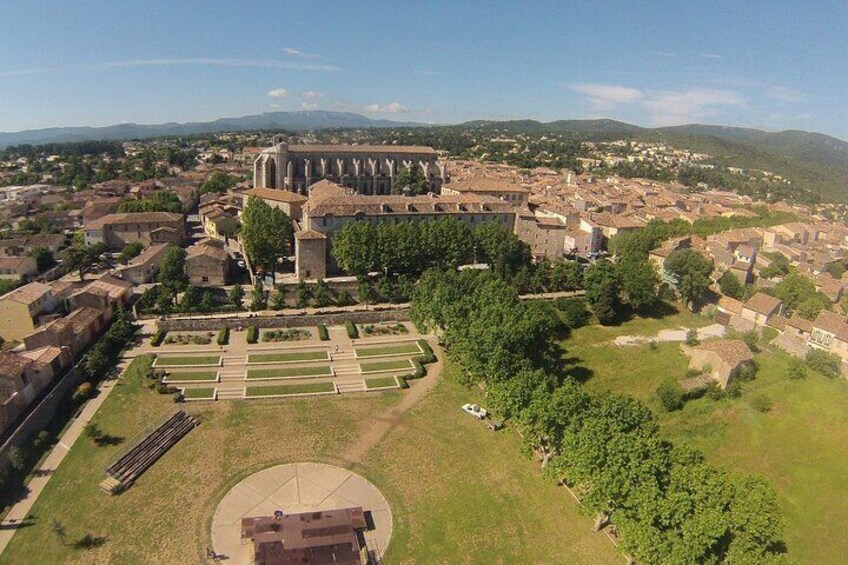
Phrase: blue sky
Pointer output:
(771, 65)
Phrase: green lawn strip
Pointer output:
(204, 393)
(192, 376)
(380, 382)
(316, 371)
(378, 366)
(397, 349)
(171, 361)
(282, 357)
(274, 390)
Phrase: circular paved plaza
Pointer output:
(295, 488)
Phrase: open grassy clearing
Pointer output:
(192, 376)
(462, 494)
(380, 382)
(798, 445)
(273, 390)
(174, 361)
(283, 357)
(164, 517)
(316, 371)
(398, 349)
(378, 366)
(203, 393)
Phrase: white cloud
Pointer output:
(784, 94)
(313, 94)
(308, 105)
(298, 53)
(203, 61)
(390, 108)
(278, 93)
(711, 56)
(607, 96)
(666, 107)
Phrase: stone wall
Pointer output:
(330, 319)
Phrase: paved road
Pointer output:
(21, 510)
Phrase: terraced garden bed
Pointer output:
(380, 382)
(204, 393)
(294, 334)
(278, 390)
(285, 357)
(192, 376)
(288, 372)
(392, 349)
(378, 366)
(176, 361)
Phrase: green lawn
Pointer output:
(173, 361)
(254, 391)
(799, 445)
(199, 393)
(385, 365)
(380, 382)
(193, 376)
(316, 371)
(399, 349)
(293, 356)
(165, 516)
(462, 494)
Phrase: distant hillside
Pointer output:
(293, 121)
(812, 160)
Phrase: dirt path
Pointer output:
(385, 422)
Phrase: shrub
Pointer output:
(761, 404)
(734, 389)
(323, 334)
(823, 362)
(224, 336)
(352, 332)
(82, 393)
(796, 369)
(714, 391)
(163, 388)
(158, 338)
(692, 337)
(41, 440)
(652, 345)
(252, 334)
(751, 339)
(670, 394)
(573, 312)
(344, 298)
(401, 379)
(747, 372)
(428, 356)
(178, 396)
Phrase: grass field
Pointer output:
(174, 361)
(199, 393)
(799, 445)
(380, 382)
(316, 371)
(283, 357)
(378, 366)
(306, 388)
(399, 349)
(462, 494)
(193, 376)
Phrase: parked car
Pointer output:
(475, 410)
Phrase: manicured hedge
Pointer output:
(323, 334)
(352, 332)
(428, 356)
(224, 336)
(157, 338)
(252, 334)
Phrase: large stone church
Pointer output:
(367, 169)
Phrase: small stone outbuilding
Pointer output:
(721, 359)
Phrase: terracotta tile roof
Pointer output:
(28, 293)
(473, 185)
(762, 303)
(12, 364)
(829, 322)
(208, 248)
(800, 323)
(42, 356)
(733, 351)
(107, 284)
(152, 253)
(777, 322)
(276, 195)
(361, 149)
(134, 218)
(730, 304)
(309, 234)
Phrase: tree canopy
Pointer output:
(266, 233)
(410, 180)
(692, 273)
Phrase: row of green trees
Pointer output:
(409, 248)
(161, 201)
(667, 504)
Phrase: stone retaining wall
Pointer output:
(305, 320)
